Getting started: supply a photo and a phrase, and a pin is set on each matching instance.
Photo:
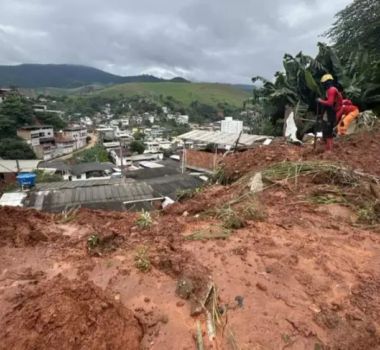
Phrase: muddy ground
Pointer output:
(296, 266)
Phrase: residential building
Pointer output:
(157, 131)
(157, 145)
(63, 145)
(111, 145)
(223, 141)
(44, 109)
(39, 108)
(106, 133)
(78, 134)
(124, 123)
(40, 138)
(82, 171)
(114, 123)
(182, 119)
(231, 126)
(87, 121)
(93, 171)
(123, 157)
(34, 134)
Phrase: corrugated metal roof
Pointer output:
(222, 138)
(94, 194)
(10, 166)
(12, 199)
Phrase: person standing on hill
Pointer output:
(349, 113)
(333, 105)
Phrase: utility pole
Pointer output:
(183, 157)
(121, 156)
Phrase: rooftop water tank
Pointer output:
(26, 179)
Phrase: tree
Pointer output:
(137, 147)
(357, 26)
(98, 153)
(7, 126)
(11, 148)
(51, 119)
(298, 85)
(138, 135)
(17, 109)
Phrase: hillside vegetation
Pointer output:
(206, 93)
(65, 76)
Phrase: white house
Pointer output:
(231, 126)
(123, 157)
(124, 123)
(182, 119)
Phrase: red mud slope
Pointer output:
(360, 151)
(294, 267)
(63, 314)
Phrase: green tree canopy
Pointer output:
(137, 147)
(358, 25)
(15, 149)
(15, 111)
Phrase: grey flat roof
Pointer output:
(170, 167)
(171, 184)
(221, 138)
(82, 168)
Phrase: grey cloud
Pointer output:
(213, 40)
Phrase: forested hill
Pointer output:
(65, 76)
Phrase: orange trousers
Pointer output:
(346, 120)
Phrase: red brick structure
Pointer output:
(201, 160)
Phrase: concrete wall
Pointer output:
(200, 160)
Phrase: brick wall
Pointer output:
(6, 179)
(201, 160)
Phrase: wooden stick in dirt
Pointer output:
(199, 338)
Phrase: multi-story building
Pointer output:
(40, 138)
(231, 126)
(78, 134)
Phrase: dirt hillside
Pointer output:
(293, 266)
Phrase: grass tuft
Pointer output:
(213, 232)
(144, 219)
(142, 261)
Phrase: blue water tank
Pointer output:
(26, 179)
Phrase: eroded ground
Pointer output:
(294, 267)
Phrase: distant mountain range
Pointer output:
(67, 76)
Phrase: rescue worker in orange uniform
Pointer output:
(349, 113)
(333, 106)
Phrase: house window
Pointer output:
(79, 176)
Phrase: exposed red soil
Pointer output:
(359, 151)
(63, 314)
(21, 227)
(297, 275)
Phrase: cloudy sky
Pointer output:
(203, 40)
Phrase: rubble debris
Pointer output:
(256, 183)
